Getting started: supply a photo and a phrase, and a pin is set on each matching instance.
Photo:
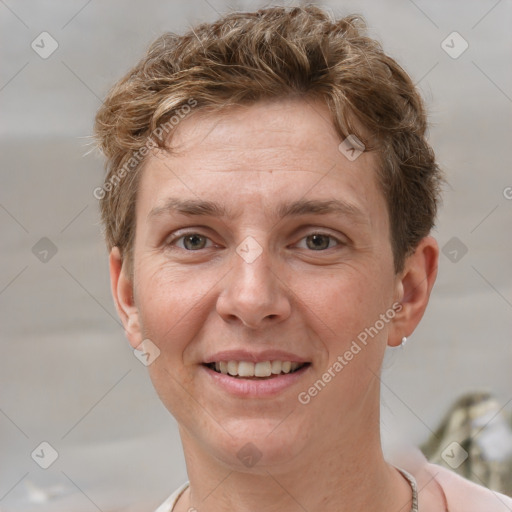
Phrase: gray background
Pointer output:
(67, 375)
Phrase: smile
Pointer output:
(259, 370)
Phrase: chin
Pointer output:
(258, 445)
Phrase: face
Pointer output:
(259, 243)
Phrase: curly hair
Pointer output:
(274, 53)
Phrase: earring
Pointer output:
(404, 341)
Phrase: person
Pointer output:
(268, 205)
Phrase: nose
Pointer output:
(253, 295)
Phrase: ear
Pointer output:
(414, 285)
(122, 290)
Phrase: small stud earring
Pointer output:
(404, 341)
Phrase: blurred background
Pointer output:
(68, 377)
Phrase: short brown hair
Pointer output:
(274, 53)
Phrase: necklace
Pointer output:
(406, 474)
(414, 487)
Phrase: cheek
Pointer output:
(345, 301)
(173, 304)
(342, 309)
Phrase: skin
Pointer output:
(325, 455)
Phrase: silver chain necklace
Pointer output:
(414, 487)
(407, 475)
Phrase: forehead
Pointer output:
(267, 153)
(254, 136)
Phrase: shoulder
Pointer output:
(169, 503)
(441, 489)
(463, 495)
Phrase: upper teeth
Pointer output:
(261, 369)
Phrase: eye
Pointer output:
(191, 242)
(319, 241)
(195, 242)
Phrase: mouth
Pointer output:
(262, 370)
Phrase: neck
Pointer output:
(347, 475)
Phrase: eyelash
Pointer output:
(173, 241)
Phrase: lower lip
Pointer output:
(252, 388)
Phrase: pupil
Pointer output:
(190, 242)
(319, 241)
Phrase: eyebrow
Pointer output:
(196, 207)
